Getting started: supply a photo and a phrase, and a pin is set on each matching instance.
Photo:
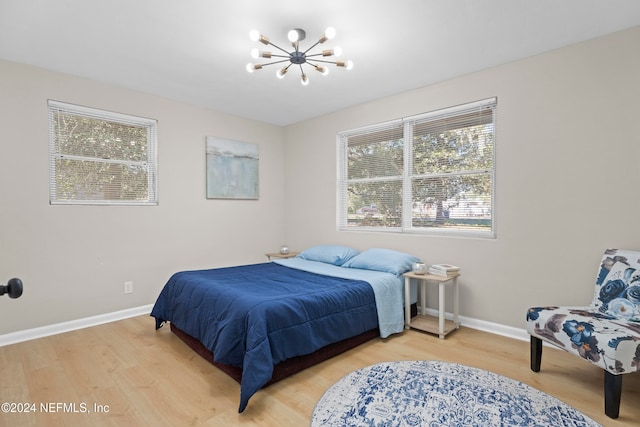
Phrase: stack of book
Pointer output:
(444, 270)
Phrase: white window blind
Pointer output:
(101, 157)
(430, 173)
(372, 170)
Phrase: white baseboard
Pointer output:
(481, 325)
(59, 328)
(72, 325)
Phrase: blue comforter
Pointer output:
(256, 316)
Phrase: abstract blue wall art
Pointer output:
(232, 169)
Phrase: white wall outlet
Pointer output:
(128, 287)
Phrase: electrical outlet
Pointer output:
(128, 287)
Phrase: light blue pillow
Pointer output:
(386, 260)
(329, 254)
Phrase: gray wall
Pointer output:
(567, 180)
(568, 146)
(74, 259)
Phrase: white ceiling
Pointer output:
(196, 51)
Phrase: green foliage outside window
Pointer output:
(424, 174)
(100, 160)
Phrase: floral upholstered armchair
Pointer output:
(606, 333)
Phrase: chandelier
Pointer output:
(297, 56)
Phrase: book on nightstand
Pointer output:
(444, 270)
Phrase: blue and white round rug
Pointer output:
(431, 393)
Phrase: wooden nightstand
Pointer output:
(436, 325)
(270, 255)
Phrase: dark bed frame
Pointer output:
(289, 366)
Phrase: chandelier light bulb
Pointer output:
(254, 35)
(349, 64)
(255, 53)
(250, 67)
(323, 70)
(281, 72)
(330, 33)
(304, 80)
(337, 51)
(293, 36)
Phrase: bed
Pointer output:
(253, 318)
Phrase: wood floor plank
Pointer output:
(139, 376)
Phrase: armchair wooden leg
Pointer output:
(612, 393)
(536, 353)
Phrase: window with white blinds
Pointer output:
(101, 157)
(430, 173)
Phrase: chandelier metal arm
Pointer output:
(320, 68)
(318, 54)
(279, 48)
(323, 60)
(315, 65)
(314, 45)
(276, 62)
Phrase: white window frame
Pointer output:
(149, 164)
(407, 177)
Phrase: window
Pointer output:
(101, 157)
(431, 173)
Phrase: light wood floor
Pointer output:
(138, 376)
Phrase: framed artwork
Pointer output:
(232, 169)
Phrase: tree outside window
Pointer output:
(100, 157)
(432, 173)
